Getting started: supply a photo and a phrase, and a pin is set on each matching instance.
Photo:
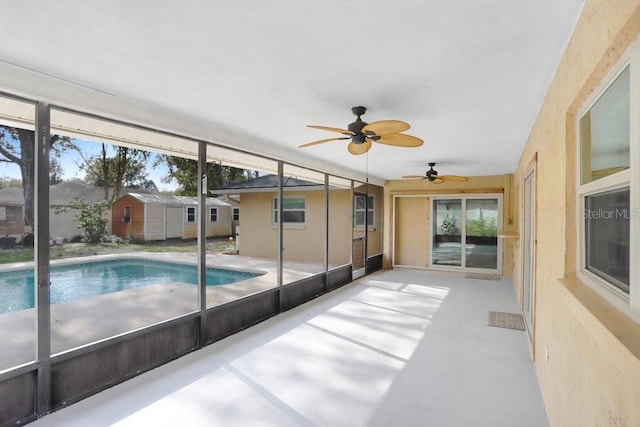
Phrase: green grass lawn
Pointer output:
(80, 249)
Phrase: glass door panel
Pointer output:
(481, 248)
(360, 212)
(447, 238)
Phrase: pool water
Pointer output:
(76, 281)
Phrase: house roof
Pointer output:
(59, 194)
(268, 183)
(165, 199)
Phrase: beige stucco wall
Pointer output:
(592, 375)
(339, 227)
(258, 235)
(411, 233)
(412, 230)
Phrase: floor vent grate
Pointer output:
(499, 319)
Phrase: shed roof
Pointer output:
(168, 199)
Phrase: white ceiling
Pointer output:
(469, 76)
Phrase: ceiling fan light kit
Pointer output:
(432, 176)
(363, 134)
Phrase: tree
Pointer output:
(185, 172)
(55, 171)
(6, 182)
(125, 168)
(18, 146)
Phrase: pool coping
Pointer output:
(26, 265)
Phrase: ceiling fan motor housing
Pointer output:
(356, 127)
(432, 174)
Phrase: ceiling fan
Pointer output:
(432, 176)
(363, 134)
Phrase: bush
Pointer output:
(482, 227)
(91, 220)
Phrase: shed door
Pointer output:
(174, 220)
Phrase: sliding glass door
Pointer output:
(465, 232)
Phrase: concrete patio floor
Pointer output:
(79, 322)
(395, 348)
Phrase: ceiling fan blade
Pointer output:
(321, 141)
(454, 178)
(386, 127)
(357, 149)
(413, 177)
(330, 129)
(438, 180)
(400, 140)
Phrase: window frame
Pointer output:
(190, 214)
(213, 213)
(235, 214)
(274, 211)
(368, 208)
(126, 214)
(629, 303)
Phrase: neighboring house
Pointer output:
(61, 217)
(303, 215)
(146, 217)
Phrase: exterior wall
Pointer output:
(258, 235)
(128, 230)
(14, 223)
(339, 227)
(592, 373)
(412, 236)
(190, 230)
(223, 226)
(63, 224)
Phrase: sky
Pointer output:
(70, 169)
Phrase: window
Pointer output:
(236, 214)
(364, 206)
(604, 132)
(191, 214)
(607, 236)
(293, 210)
(213, 214)
(607, 202)
(127, 214)
(3, 213)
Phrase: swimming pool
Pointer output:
(76, 281)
